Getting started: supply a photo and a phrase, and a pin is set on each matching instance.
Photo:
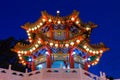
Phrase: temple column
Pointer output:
(29, 64)
(48, 61)
(85, 67)
(71, 59)
(33, 64)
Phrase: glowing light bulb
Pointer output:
(72, 43)
(97, 59)
(101, 51)
(25, 52)
(22, 52)
(20, 58)
(85, 46)
(93, 52)
(29, 37)
(34, 48)
(43, 20)
(30, 40)
(51, 44)
(18, 51)
(58, 22)
(87, 28)
(97, 52)
(41, 24)
(56, 45)
(87, 49)
(73, 53)
(50, 20)
(28, 34)
(35, 28)
(22, 61)
(38, 26)
(93, 63)
(47, 53)
(30, 59)
(77, 22)
(78, 41)
(88, 65)
(90, 51)
(67, 45)
(19, 54)
(39, 42)
(36, 45)
(89, 59)
(29, 29)
(72, 18)
(32, 29)
(58, 12)
(31, 50)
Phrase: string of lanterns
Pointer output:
(66, 43)
(50, 20)
(92, 51)
(21, 53)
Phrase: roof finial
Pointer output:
(58, 12)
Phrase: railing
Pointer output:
(50, 74)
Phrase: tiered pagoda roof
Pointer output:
(57, 36)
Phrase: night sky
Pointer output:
(105, 13)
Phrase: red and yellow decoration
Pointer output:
(53, 32)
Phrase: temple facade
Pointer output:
(59, 39)
(57, 48)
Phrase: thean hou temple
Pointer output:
(60, 46)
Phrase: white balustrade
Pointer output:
(50, 74)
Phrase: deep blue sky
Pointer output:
(105, 13)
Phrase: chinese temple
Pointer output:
(57, 48)
(59, 39)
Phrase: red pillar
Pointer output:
(33, 64)
(71, 59)
(29, 64)
(86, 67)
(48, 61)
